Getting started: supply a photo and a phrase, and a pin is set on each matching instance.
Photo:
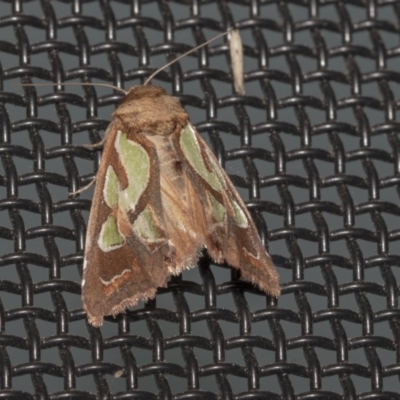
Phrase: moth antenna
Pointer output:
(81, 190)
(184, 55)
(77, 84)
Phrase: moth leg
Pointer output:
(81, 190)
(95, 145)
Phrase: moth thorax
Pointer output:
(139, 92)
(148, 111)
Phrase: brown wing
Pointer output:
(126, 245)
(230, 234)
(135, 240)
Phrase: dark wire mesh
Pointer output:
(316, 141)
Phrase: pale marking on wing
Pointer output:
(239, 214)
(218, 208)
(145, 226)
(252, 255)
(136, 162)
(115, 277)
(191, 149)
(216, 167)
(110, 190)
(110, 239)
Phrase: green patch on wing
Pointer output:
(145, 226)
(217, 168)
(218, 208)
(136, 162)
(239, 215)
(192, 152)
(110, 238)
(110, 190)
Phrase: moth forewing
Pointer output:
(231, 234)
(160, 198)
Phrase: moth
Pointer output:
(160, 198)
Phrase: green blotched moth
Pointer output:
(160, 197)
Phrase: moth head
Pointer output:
(139, 92)
(148, 110)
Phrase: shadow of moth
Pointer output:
(160, 198)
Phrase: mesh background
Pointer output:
(313, 149)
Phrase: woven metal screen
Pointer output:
(313, 148)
